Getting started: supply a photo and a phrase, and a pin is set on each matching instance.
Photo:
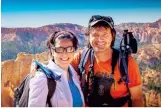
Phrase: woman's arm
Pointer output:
(38, 90)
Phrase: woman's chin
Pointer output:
(64, 64)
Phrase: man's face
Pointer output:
(100, 38)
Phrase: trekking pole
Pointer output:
(124, 47)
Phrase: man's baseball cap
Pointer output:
(98, 18)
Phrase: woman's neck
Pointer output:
(103, 56)
(66, 70)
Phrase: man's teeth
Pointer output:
(100, 43)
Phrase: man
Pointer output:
(102, 86)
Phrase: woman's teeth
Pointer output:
(64, 59)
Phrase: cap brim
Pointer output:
(98, 21)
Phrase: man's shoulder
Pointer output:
(131, 59)
(79, 53)
(77, 58)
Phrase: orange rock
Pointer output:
(6, 99)
(14, 71)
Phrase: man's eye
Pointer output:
(106, 33)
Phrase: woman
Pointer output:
(62, 46)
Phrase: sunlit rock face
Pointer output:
(14, 71)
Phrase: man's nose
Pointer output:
(100, 38)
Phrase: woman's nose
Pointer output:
(64, 52)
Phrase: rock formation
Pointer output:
(14, 71)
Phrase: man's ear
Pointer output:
(88, 37)
(87, 33)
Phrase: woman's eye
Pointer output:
(70, 48)
(59, 49)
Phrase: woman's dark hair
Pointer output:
(105, 25)
(62, 35)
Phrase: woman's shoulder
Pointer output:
(40, 74)
(39, 79)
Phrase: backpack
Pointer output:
(86, 78)
(21, 94)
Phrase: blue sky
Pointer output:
(36, 13)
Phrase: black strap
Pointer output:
(124, 57)
(84, 81)
(51, 87)
(130, 100)
(123, 64)
(91, 68)
(81, 67)
(119, 101)
(115, 57)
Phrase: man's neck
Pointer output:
(103, 56)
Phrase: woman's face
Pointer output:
(63, 52)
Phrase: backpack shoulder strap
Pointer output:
(83, 60)
(90, 69)
(51, 87)
(84, 57)
(115, 57)
(123, 66)
(50, 81)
